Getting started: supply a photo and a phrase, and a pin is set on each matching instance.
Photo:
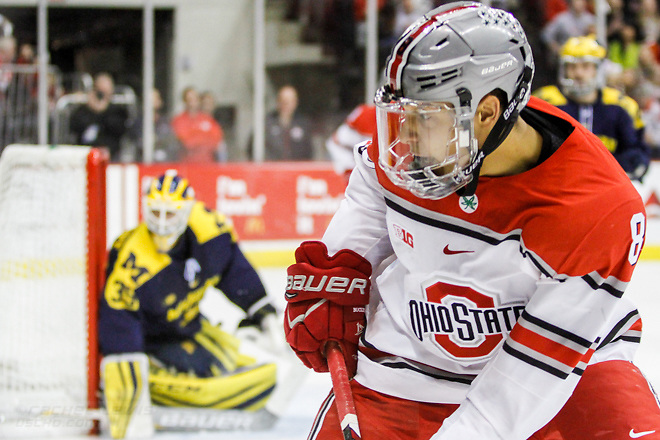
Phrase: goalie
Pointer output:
(150, 327)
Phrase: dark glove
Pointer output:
(256, 319)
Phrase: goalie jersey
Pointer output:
(500, 300)
(153, 297)
(615, 118)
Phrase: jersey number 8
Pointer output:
(637, 228)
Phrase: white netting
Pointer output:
(43, 283)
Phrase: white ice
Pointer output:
(298, 417)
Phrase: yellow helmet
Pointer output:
(166, 208)
(581, 50)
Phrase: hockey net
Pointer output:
(52, 248)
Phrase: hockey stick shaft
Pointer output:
(342, 390)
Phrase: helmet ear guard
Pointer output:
(500, 130)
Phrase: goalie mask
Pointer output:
(166, 209)
(581, 67)
(438, 72)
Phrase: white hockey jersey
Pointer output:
(500, 300)
(358, 127)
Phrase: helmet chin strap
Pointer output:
(500, 131)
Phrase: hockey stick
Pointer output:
(342, 389)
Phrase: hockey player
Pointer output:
(359, 126)
(497, 236)
(614, 117)
(157, 275)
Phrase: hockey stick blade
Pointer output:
(342, 389)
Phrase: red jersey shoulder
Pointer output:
(577, 210)
(363, 119)
(586, 214)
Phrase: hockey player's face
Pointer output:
(428, 133)
(581, 72)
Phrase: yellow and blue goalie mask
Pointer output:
(166, 209)
(581, 66)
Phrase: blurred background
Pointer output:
(237, 55)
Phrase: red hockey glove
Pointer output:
(326, 298)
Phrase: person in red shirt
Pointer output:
(201, 137)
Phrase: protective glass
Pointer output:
(425, 146)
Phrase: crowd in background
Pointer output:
(201, 131)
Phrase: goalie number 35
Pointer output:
(637, 230)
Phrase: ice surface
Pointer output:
(298, 417)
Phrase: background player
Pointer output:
(498, 235)
(359, 126)
(157, 274)
(605, 111)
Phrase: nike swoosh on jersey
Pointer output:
(448, 251)
(634, 434)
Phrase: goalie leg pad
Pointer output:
(247, 388)
(223, 346)
(126, 395)
(212, 352)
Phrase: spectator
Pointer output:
(574, 22)
(200, 135)
(207, 103)
(288, 132)
(649, 59)
(625, 49)
(648, 97)
(605, 111)
(649, 19)
(6, 27)
(223, 117)
(553, 8)
(7, 56)
(358, 127)
(26, 54)
(166, 145)
(615, 16)
(99, 122)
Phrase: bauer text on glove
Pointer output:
(326, 298)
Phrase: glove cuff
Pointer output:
(256, 318)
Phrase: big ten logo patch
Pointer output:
(312, 199)
(403, 235)
(233, 198)
(464, 323)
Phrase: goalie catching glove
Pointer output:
(326, 298)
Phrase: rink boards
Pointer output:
(275, 206)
